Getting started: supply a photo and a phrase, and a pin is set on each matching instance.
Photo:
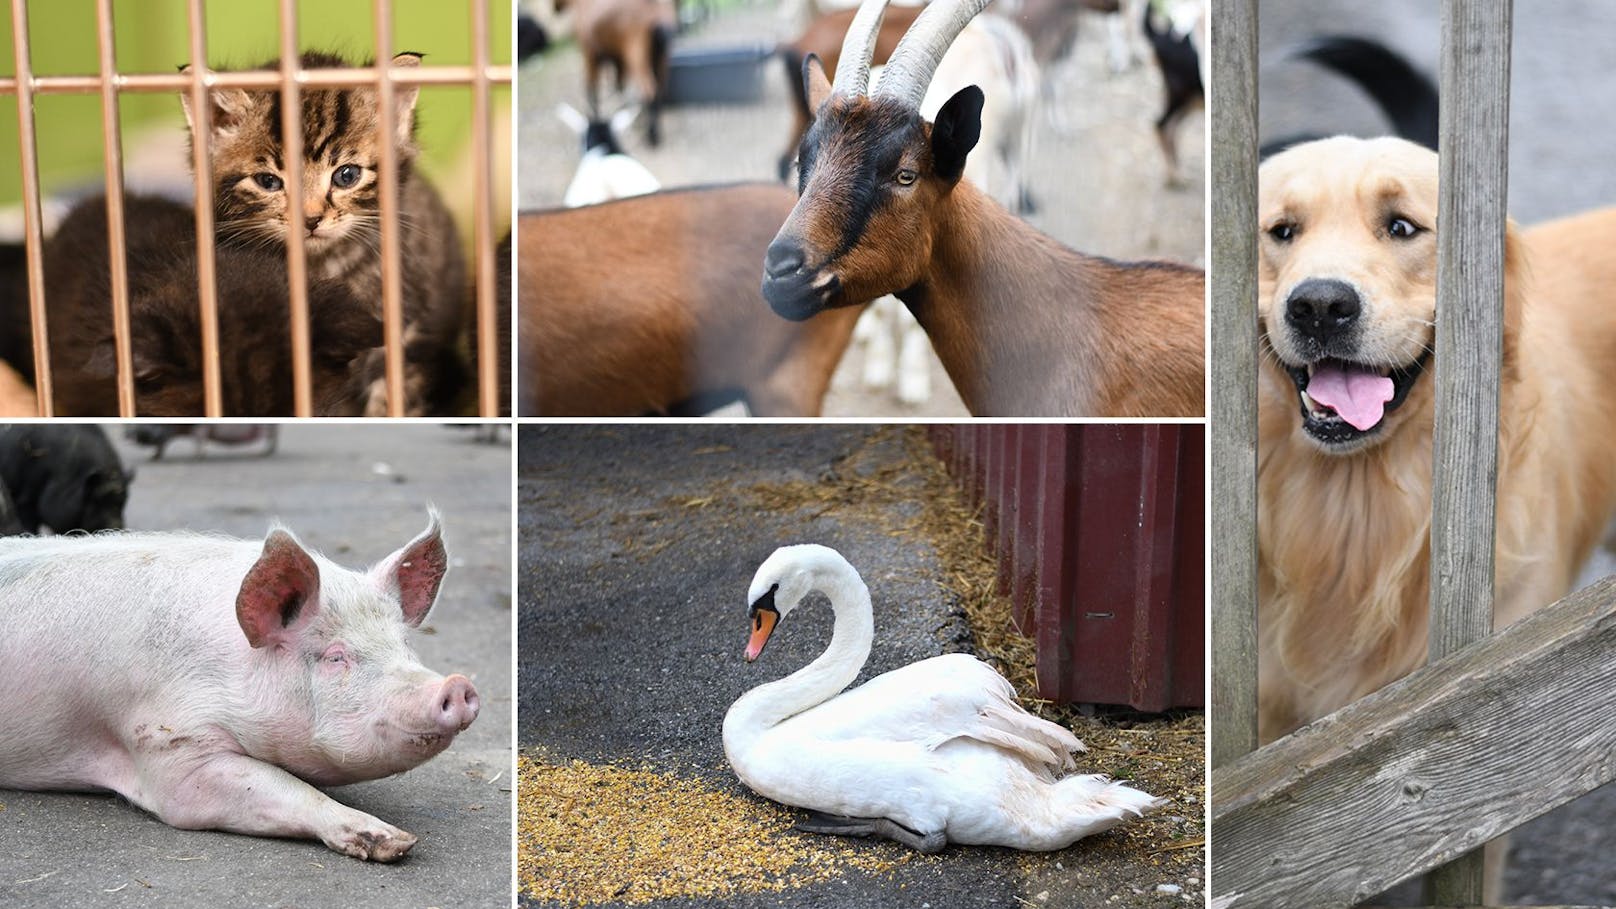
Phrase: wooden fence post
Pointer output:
(1474, 141)
(1234, 379)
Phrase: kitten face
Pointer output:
(337, 201)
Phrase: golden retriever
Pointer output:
(1347, 301)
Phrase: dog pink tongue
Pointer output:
(1355, 394)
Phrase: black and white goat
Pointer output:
(605, 172)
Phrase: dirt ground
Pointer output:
(635, 546)
(356, 493)
(1096, 169)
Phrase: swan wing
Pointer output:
(936, 701)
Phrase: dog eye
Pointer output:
(1401, 228)
(1282, 232)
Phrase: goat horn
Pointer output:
(914, 61)
(853, 69)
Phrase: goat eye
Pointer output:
(1401, 228)
(906, 177)
(269, 182)
(1282, 232)
(346, 176)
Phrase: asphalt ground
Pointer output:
(1094, 167)
(636, 545)
(356, 493)
(1562, 127)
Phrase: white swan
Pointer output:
(933, 753)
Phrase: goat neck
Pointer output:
(1025, 326)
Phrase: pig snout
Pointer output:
(457, 704)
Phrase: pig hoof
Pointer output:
(382, 843)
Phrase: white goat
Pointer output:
(605, 172)
(993, 54)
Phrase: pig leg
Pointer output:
(244, 795)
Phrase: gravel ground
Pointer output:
(356, 493)
(1561, 131)
(636, 544)
(1096, 169)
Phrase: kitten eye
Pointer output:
(905, 177)
(268, 182)
(1401, 228)
(346, 176)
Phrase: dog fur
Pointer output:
(1344, 529)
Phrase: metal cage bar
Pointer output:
(290, 80)
(312, 78)
(486, 339)
(33, 227)
(392, 287)
(202, 162)
(297, 268)
(116, 247)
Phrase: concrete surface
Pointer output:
(1562, 128)
(1095, 167)
(635, 548)
(356, 493)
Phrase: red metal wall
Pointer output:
(1099, 532)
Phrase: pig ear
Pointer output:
(280, 593)
(415, 573)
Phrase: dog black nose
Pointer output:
(782, 259)
(1322, 308)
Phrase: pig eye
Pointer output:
(336, 655)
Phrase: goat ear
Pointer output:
(814, 80)
(955, 132)
(574, 120)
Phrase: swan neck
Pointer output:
(828, 675)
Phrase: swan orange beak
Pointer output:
(763, 622)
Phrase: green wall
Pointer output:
(152, 37)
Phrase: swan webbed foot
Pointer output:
(840, 825)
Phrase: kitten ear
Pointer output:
(230, 105)
(404, 99)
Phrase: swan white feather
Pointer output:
(938, 746)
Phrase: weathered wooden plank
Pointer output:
(1233, 286)
(1474, 141)
(1425, 769)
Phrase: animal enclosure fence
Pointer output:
(1495, 730)
(290, 80)
(1099, 534)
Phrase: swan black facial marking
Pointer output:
(765, 602)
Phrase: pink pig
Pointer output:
(216, 682)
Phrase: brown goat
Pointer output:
(823, 39)
(632, 36)
(1023, 325)
(650, 305)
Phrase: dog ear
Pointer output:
(1516, 268)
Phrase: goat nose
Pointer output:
(782, 259)
(457, 704)
(1322, 308)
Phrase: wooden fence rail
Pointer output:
(1425, 769)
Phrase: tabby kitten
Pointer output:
(255, 344)
(336, 209)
